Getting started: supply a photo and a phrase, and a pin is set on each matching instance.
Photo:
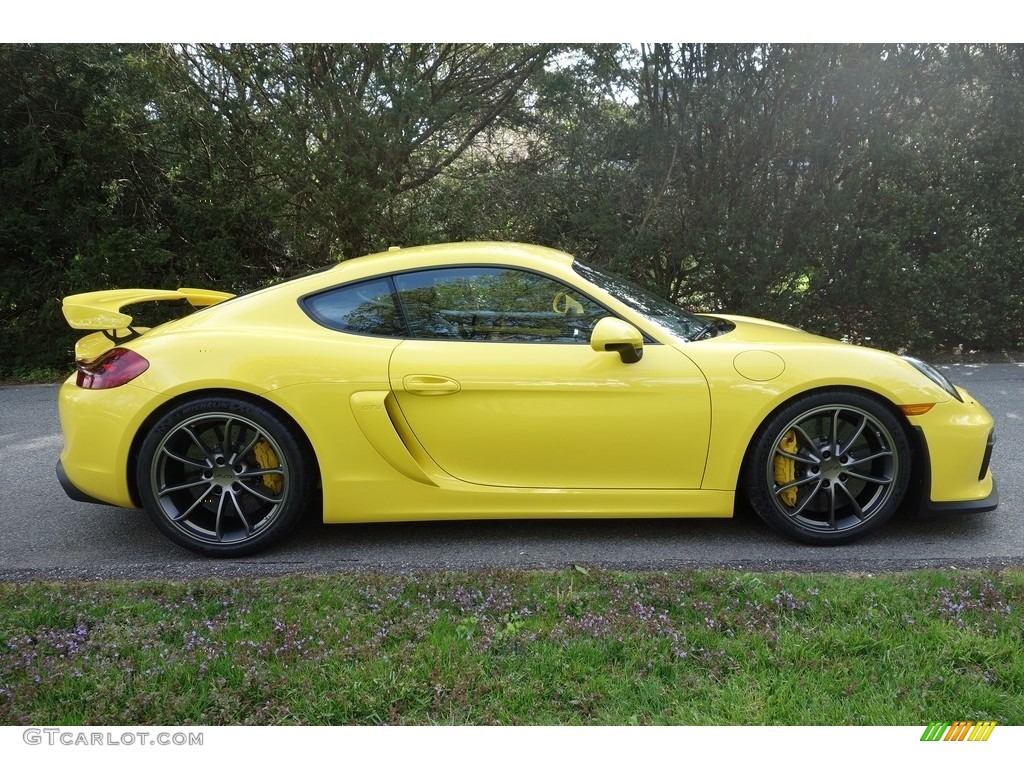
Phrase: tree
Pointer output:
(318, 141)
(873, 192)
(71, 160)
(221, 165)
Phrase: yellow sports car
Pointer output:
(497, 380)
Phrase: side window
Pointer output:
(495, 304)
(367, 307)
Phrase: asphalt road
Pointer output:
(48, 536)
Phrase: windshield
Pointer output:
(673, 318)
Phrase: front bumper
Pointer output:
(930, 508)
(955, 443)
(926, 507)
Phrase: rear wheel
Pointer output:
(223, 476)
(829, 467)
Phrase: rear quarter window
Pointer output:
(365, 308)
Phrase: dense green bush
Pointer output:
(869, 192)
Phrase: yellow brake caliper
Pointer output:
(267, 459)
(785, 468)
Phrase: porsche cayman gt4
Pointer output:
(496, 380)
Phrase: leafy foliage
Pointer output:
(873, 192)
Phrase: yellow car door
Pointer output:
(501, 387)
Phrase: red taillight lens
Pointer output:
(111, 369)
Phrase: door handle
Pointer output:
(430, 385)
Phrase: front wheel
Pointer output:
(223, 476)
(829, 467)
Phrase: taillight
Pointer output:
(111, 369)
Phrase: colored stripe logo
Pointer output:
(960, 730)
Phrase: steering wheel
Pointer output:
(563, 302)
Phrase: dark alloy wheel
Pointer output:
(223, 476)
(829, 467)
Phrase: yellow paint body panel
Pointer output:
(408, 429)
(956, 434)
(98, 427)
(579, 420)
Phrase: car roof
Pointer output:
(449, 254)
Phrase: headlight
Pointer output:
(936, 376)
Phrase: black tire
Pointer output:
(223, 476)
(845, 476)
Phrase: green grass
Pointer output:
(580, 646)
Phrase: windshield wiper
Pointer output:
(709, 330)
